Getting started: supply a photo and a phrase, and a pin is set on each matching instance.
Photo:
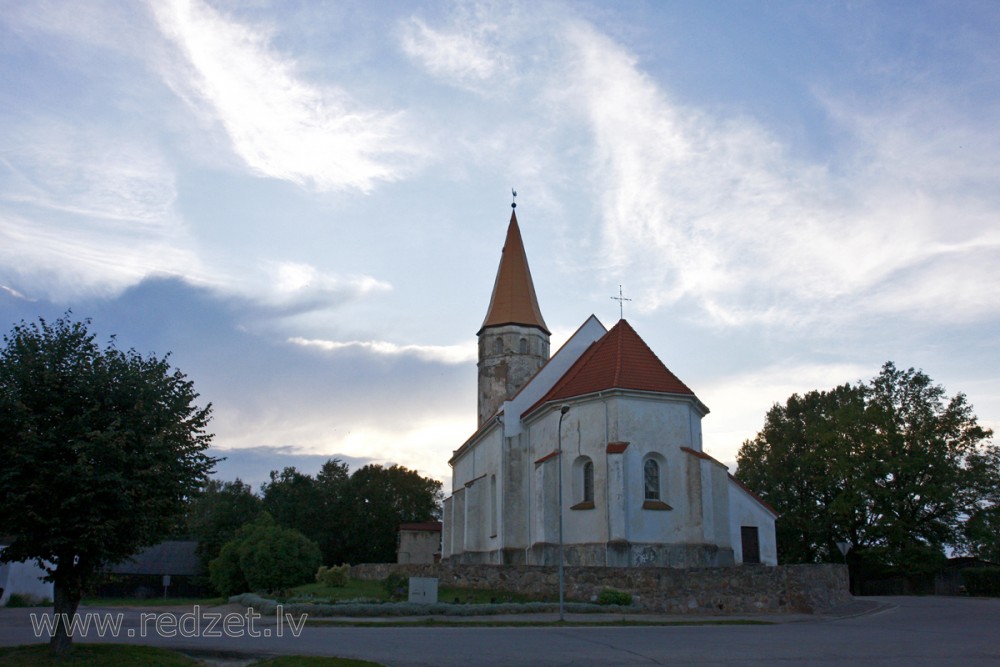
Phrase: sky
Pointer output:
(304, 203)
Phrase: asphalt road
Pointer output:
(905, 631)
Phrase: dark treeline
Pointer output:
(353, 518)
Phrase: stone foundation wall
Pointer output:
(610, 554)
(724, 590)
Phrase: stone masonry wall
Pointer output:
(724, 590)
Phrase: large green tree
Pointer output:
(354, 518)
(334, 483)
(295, 500)
(217, 512)
(380, 499)
(101, 449)
(892, 465)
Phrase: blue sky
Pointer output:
(305, 202)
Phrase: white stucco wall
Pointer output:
(484, 456)
(447, 532)
(745, 510)
(705, 508)
(418, 546)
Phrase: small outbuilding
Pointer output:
(170, 568)
(419, 542)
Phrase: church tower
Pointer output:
(513, 341)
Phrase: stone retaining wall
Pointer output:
(723, 590)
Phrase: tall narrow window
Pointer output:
(493, 505)
(524, 346)
(651, 479)
(498, 346)
(588, 482)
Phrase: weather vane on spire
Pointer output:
(621, 303)
(513, 204)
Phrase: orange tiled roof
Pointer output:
(513, 300)
(619, 360)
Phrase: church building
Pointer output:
(600, 435)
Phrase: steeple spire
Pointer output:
(513, 341)
(513, 300)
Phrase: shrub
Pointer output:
(19, 600)
(225, 571)
(397, 586)
(336, 576)
(264, 556)
(277, 558)
(984, 581)
(612, 596)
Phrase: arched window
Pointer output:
(651, 479)
(498, 346)
(583, 483)
(524, 346)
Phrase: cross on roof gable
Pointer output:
(619, 360)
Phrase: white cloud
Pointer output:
(421, 443)
(87, 209)
(714, 209)
(87, 171)
(295, 282)
(447, 354)
(468, 53)
(280, 125)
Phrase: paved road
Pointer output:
(905, 631)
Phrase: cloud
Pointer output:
(447, 354)
(292, 288)
(267, 393)
(254, 464)
(421, 443)
(279, 124)
(87, 208)
(468, 53)
(713, 209)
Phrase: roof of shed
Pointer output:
(174, 557)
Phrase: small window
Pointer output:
(651, 479)
(588, 482)
(498, 346)
(524, 346)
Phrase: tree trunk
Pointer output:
(67, 600)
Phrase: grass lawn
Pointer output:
(152, 602)
(310, 661)
(500, 623)
(94, 655)
(354, 589)
(121, 655)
